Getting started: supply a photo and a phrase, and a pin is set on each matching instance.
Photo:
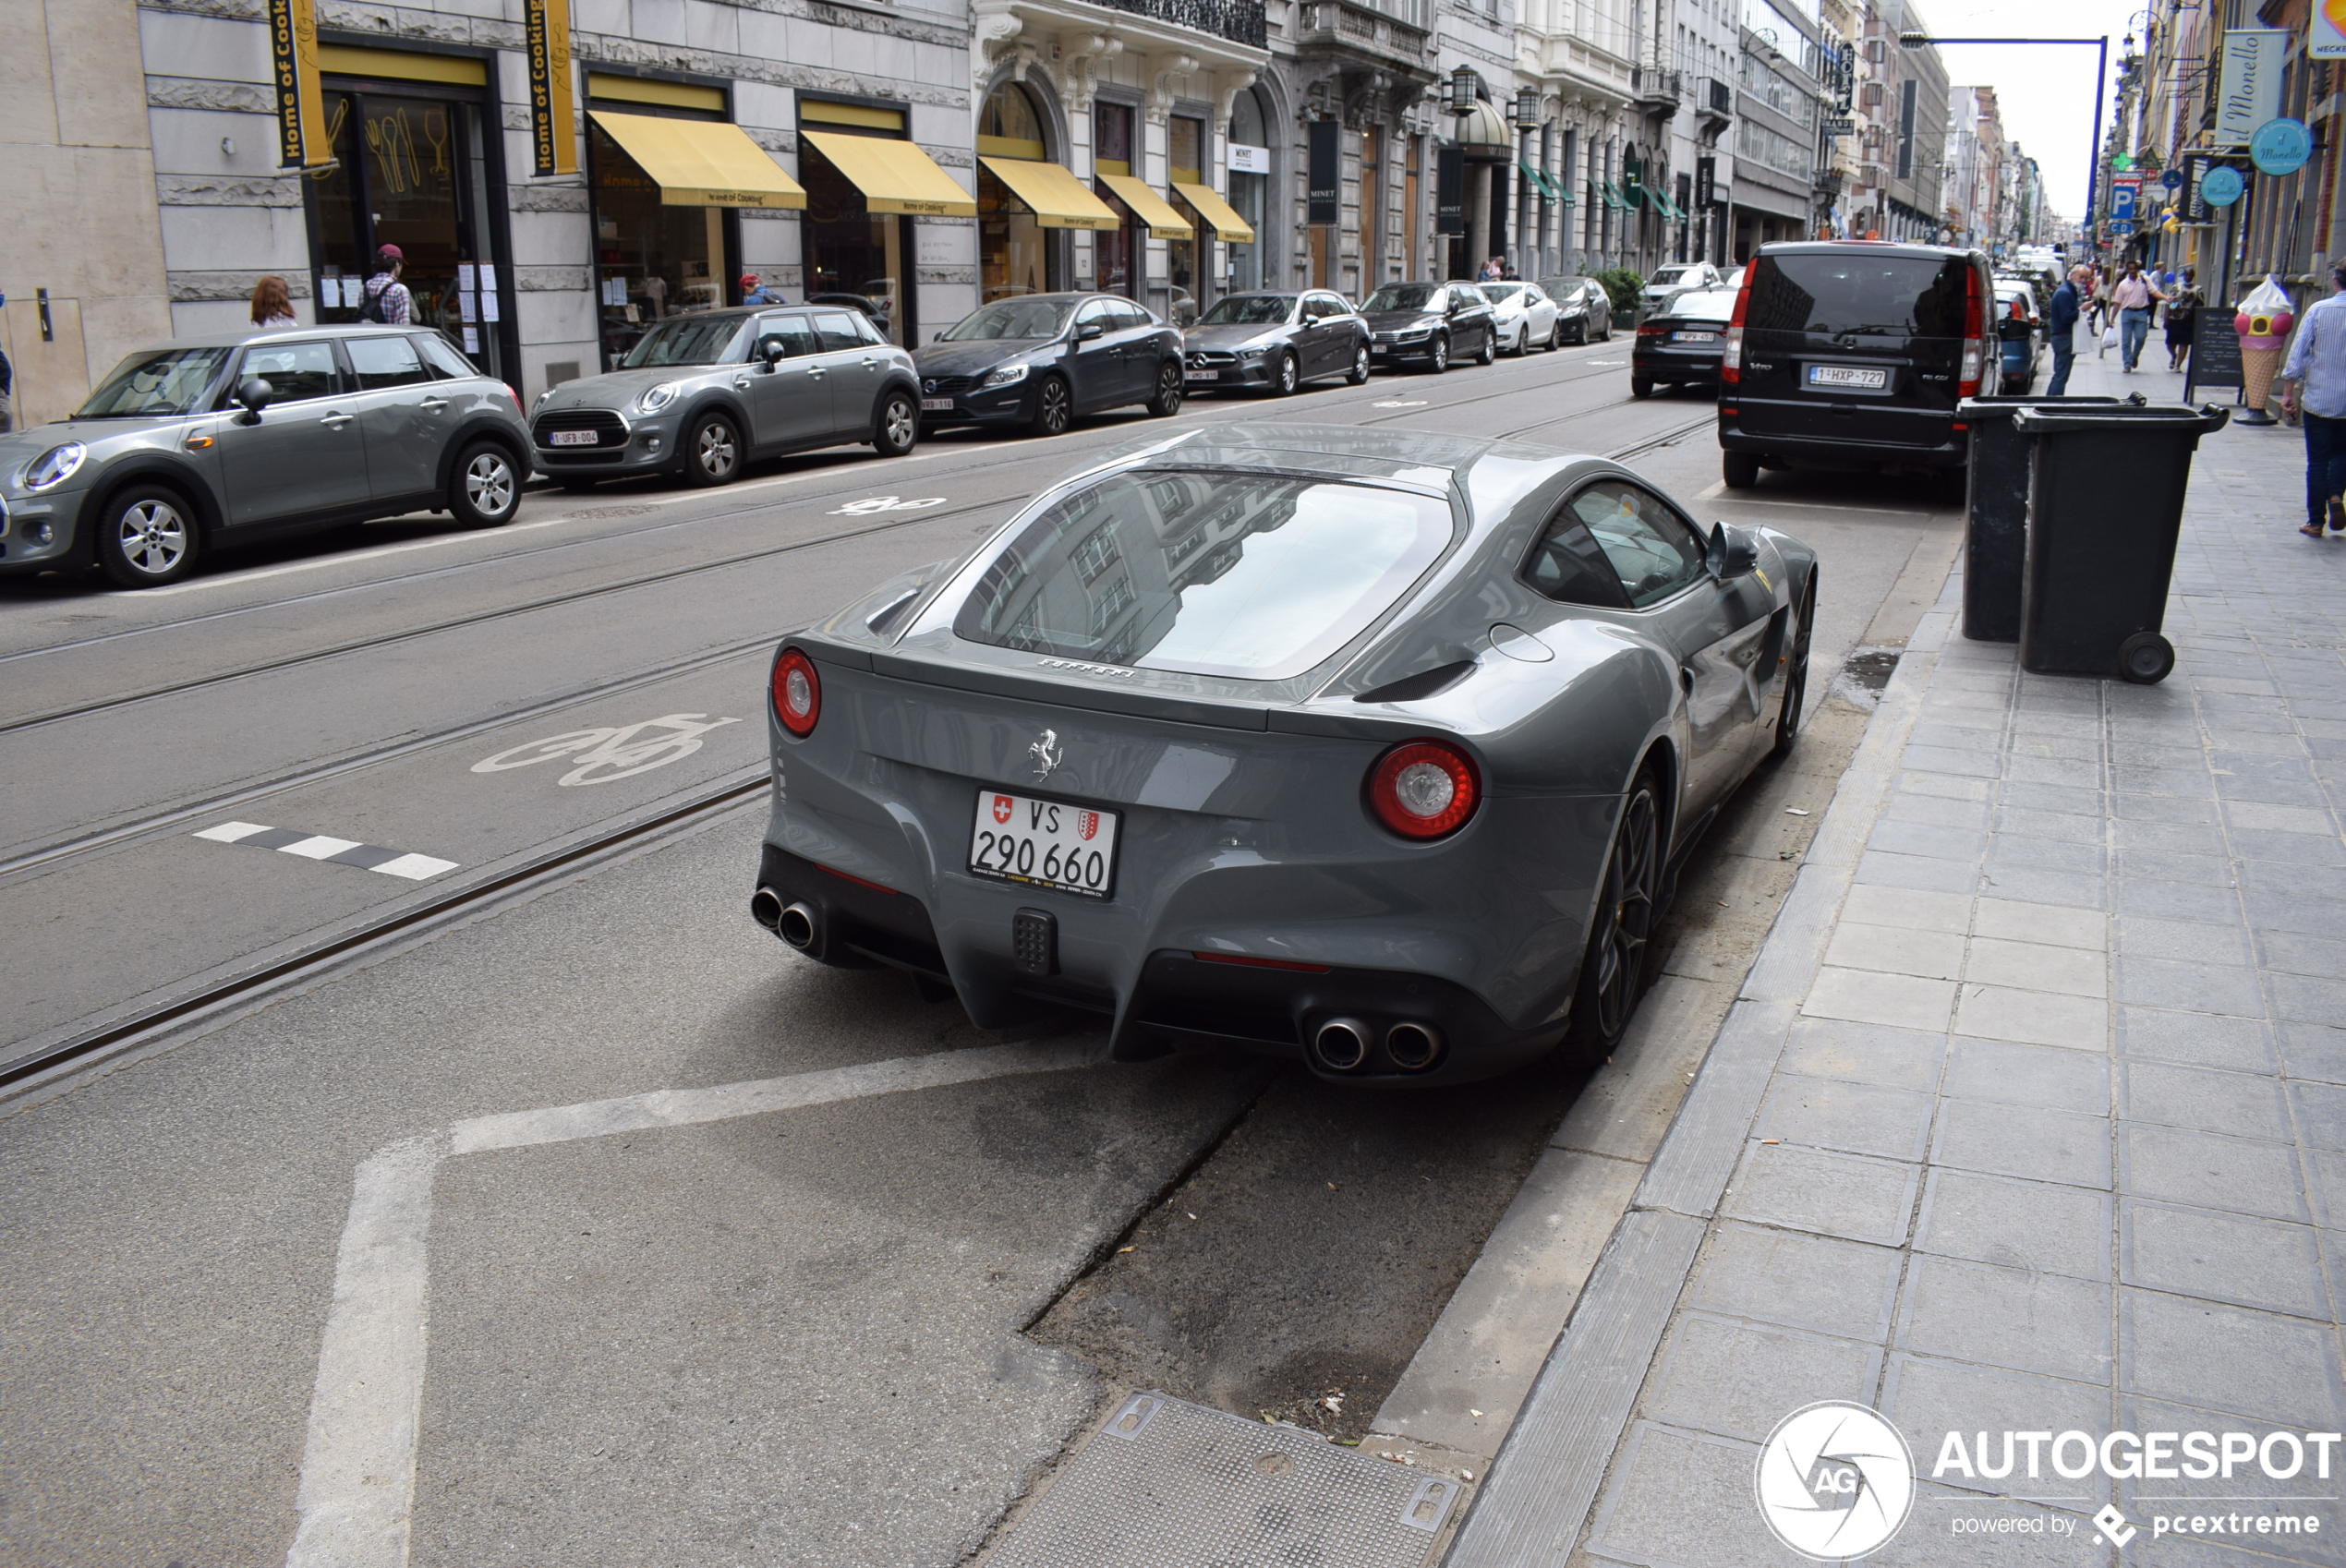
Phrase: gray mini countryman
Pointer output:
(700, 395)
(216, 441)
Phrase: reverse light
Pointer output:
(55, 466)
(798, 692)
(1425, 789)
(1731, 350)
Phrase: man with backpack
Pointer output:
(386, 301)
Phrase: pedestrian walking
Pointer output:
(2183, 315)
(273, 305)
(2318, 364)
(2105, 313)
(385, 299)
(2135, 295)
(2061, 326)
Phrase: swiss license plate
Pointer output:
(577, 437)
(1694, 337)
(1847, 376)
(1044, 844)
(936, 406)
(1203, 376)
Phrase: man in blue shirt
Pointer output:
(2060, 325)
(2317, 359)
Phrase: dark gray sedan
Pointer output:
(1584, 312)
(700, 395)
(1040, 359)
(1374, 749)
(1429, 324)
(1275, 340)
(216, 441)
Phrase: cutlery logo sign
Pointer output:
(1046, 752)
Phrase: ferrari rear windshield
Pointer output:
(1259, 576)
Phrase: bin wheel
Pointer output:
(2146, 658)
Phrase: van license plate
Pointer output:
(577, 437)
(1044, 844)
(1847, 376)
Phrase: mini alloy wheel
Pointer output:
(150, 539)
(898, 429)
(714, 456)
(486, 487)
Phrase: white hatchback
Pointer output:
(1527, 318)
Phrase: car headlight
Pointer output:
(1008, 375)
(1253, 352)
(1412, 335)
(659, 397)
(55, 466)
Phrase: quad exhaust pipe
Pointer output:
(798, 923)
(1341, 1044)
(1413, 1046)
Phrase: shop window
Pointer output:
(1120, 255)
(1015, 253)
(1185, 145)
(1249, 165)
(849, 247)
(652, 260)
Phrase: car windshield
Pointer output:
(1669, 274)
(1013, 319)
(1402, 297)
(155, 382)
(1248, 310)
(1843, 293)
(1259, 576)
(685, 340)
(1496, 292)
(1558, 287)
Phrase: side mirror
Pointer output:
(1729, 553)
(1089, 331)
(254, 395)
(773, 351)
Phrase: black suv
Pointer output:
(1853, 354)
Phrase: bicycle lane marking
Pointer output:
(613, 747)
(356, 1498)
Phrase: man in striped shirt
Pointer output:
(2317, 361)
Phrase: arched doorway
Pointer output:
(1016, 253)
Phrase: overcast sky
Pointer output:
(2046, 94)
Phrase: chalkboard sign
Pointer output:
(2215, 350)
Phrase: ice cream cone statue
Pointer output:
(2262, 323)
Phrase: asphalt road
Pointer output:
(774, 1335)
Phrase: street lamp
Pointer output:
(2101, 84)
(1527, 108)
(1463, 81)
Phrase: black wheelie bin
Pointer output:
(2105, 510)
(1995, 511)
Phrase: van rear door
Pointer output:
(1864, 345)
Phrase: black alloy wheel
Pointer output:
(896, 429)
(1358, 375)
(1490, 349)
(1167, 401)
(1795, 673)
(1052, 408)
(1437, 354)
(483, 488)
(713, 451)
(1282, 374)
(1613, 970)
(147, 536)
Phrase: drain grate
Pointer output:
(1168, 1484)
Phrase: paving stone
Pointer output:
(2039, 739)
(2006, 1317)
(2039, 1017)
(2189, 783)
(2273, 791)
(1864, 1053)
(1936, 955)
(2132, 895)
(2295, 848)
(2089, 804)
(2203, 942)
(2059, 925)
(2190, 985)
(1865, 996)
(2326, 884)
(2080, 889)
(1908, 908)
(1939, 811)
(2221, 1257)
(1845, 1194)
(2299, 952)
(2306, 999)
(2017, 1225)
(2129, 805)
(2153, 838)
(2023, 1140)
(2069, 772)
(2246, 1491)
(1834, 1288)
(1926, 1396)
(1739, 1380)
(2037, 966)
(1886, 870)
(2313, 1051)
(2018, 851)
(1949, 759)
(1930, 1540)
(1685, 1499)
(2283, 911)
(2321, 1114)
(1923, 838)
(2198, 871)
(2241, 1043)
(1860, 1118)
(2238, 1105)
(2262, 1365)
(2044, 1076)
(1921, 782)
(2211, 1172)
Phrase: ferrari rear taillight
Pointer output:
(798, 692)
(1731, 354)
(1425, 789)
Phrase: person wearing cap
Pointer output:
(386, 298)
(2317, 366)
(755, 293)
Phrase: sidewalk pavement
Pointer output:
(2030, 1117)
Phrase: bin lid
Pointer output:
(2005, 407)
(2197, 421)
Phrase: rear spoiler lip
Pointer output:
(1259, 717)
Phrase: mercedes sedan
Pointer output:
(1376, 751)
(1278, 341)
(1038, 360)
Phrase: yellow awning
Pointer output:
(1224, 219)
(1150, 208)
(1058, 197)
(702, 163)
(895, 176)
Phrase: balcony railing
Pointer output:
(1241, 22)
(1656, 87)
(1715, 98)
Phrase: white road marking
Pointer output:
(414, 868)
(323, 847)
(357, 1492)
(614, 752)
(870, 504)
(229, 832)
(1418, 404)
(319, 847)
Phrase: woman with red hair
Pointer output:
(271, 305)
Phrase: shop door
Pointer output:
(410, 173)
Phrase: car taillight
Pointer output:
(1731, 352)
(1974, 335)
(1652, 330)
(1425, 789)
(798, 692)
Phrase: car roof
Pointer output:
(1858, 248)
(1350, 451)
(254, 334)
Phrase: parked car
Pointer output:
(1040, 359)
(1583, 309)
(1676, 278)
(1277, 340)
(1853, 355)
(701, 396)
(1429, 324)
(2019, 334)
(1525, 316)
(1682, 345)
(1375, 752)
(207, 441)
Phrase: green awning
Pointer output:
(1549, 190)
(1612, 196)
(1668, 207)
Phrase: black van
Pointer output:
(1853, 354)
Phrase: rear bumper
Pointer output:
(1676, 365)
(1945, 448)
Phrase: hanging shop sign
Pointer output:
(2221, 186)
(1245, 160)
(2248, 90)
(2324, 38)
(2280, 147)
(1449, 191)
(302, 143)
(554, 139)
(1324, 189)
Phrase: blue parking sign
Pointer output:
(2122, 201)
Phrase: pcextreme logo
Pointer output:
(1834, 1480)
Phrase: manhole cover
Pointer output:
(1168, 1484)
